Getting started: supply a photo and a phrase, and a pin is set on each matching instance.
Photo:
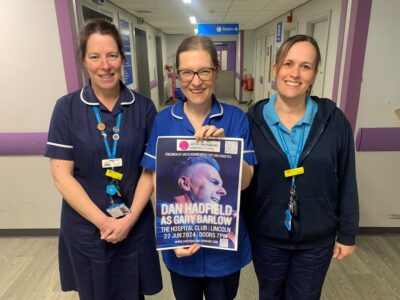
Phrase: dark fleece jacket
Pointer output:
(327, 191)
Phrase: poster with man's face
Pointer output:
(198, 192)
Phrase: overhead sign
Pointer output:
(218, 29)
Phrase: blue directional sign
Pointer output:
(218, 29)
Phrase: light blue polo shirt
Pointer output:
(172, 121)
(292, 138)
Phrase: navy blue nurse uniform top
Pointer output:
(172, 121)
(98, 269)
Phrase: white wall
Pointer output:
(31, 80)
(378, 172)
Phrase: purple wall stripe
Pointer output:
(355, 54)
(339, 51)
(67, 40)
(22, 143)
(241, 65)
(34, 143)
(153, 84)
(378, 139)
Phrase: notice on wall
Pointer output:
(126, 47)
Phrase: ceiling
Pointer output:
(172, 16)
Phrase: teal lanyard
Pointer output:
(110, 154)
(292, 162)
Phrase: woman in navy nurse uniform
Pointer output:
(96, 140)
(302, 205)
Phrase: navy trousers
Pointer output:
(213, 288)
(290, 274)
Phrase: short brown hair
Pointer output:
(198, 42)
(103, 27)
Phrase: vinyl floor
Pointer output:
(29, 271)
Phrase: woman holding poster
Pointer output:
(196, 271)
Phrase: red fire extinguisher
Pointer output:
(245, 82)
(250, 83)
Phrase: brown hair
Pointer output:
(288, 44)
(198, 42)
(103, 27)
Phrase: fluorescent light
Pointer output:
(192, 20)
(187, 1)
(196, 31)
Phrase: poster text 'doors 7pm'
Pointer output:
(198, 192)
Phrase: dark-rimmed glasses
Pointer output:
(205, 74)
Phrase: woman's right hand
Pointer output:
(205, 132)
(116, 230)
(187, 251)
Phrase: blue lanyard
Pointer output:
(293, 163)
(110, 154)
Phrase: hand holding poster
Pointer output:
(198, 192)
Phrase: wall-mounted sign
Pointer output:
(279, 32)
(218, 29)
(126, 45)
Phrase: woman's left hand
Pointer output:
(340, 251)
(208, 131)
(118, 230)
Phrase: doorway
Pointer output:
(258, 80)
(268, 63)
(225, 87)
(319, 30)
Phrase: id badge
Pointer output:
(118, 210)
(111, 163)
(114, 174)
(288, 220)
(294, 172)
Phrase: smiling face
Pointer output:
(103, 62)
(297, 71)
(197, 91)
(203, 184)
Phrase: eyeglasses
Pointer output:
(205, 74)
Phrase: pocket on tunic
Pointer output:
(317, 218)
(269, 221)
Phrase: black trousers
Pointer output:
(290, 274)
(213, 288)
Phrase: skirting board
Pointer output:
(42, 232)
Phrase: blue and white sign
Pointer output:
(126, 47)
(128, 76)
(218, 29)
(279, 32)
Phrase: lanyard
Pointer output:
(293, 163)
(110, 154)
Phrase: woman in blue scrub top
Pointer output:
(96, 140)
(302, 205)
(195, 271)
